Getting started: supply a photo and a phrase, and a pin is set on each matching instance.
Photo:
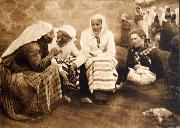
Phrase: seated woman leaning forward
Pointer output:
(97, 74)
(28, 82)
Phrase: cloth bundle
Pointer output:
(101, 74)
(141, 75)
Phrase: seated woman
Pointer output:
(97, 74)
(66, 35)
(29, 84)
(143, 56)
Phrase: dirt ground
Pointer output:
(124, 110)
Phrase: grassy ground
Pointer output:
(123, 111)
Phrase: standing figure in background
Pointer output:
(175, 27)
(166, 11)
(138, 15)
(125, 29)
(174, 60)
(167, 33)
(155, 30)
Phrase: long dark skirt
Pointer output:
(28, 91)
(166, 36)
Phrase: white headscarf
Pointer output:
(70, 30)
(140, 11)
(153, 8)
(124, 16)
(104, 24)
(31, 33)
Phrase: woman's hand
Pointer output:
(95, 53)
(64, 76)
(92, 54)
(137, 66)
(55, 51)
(73, 69)
(0, 60)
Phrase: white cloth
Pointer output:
(152, 14)
(141, 75)
(101, 73)
(145, 24)
(31, 33)
(177, 15)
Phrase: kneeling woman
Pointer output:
(27, 81)
(97, 74)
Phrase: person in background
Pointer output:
(29, 84)
(175, 27)
(167, 33)
(97, 44)
(138, 15)
(125, 29)
(174, 60)
(166, 12)
(155, 30)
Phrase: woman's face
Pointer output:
(49, 36)
(136, 41)
(96, 25)
(62, 38)
(138, 10)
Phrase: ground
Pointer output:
(124, 110)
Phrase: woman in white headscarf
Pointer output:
(27, 81)
(98, 46)
(64, 39)
(138, 15)
(166, 11)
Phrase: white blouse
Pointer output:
(106, 48)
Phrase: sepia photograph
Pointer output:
(89, 64)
